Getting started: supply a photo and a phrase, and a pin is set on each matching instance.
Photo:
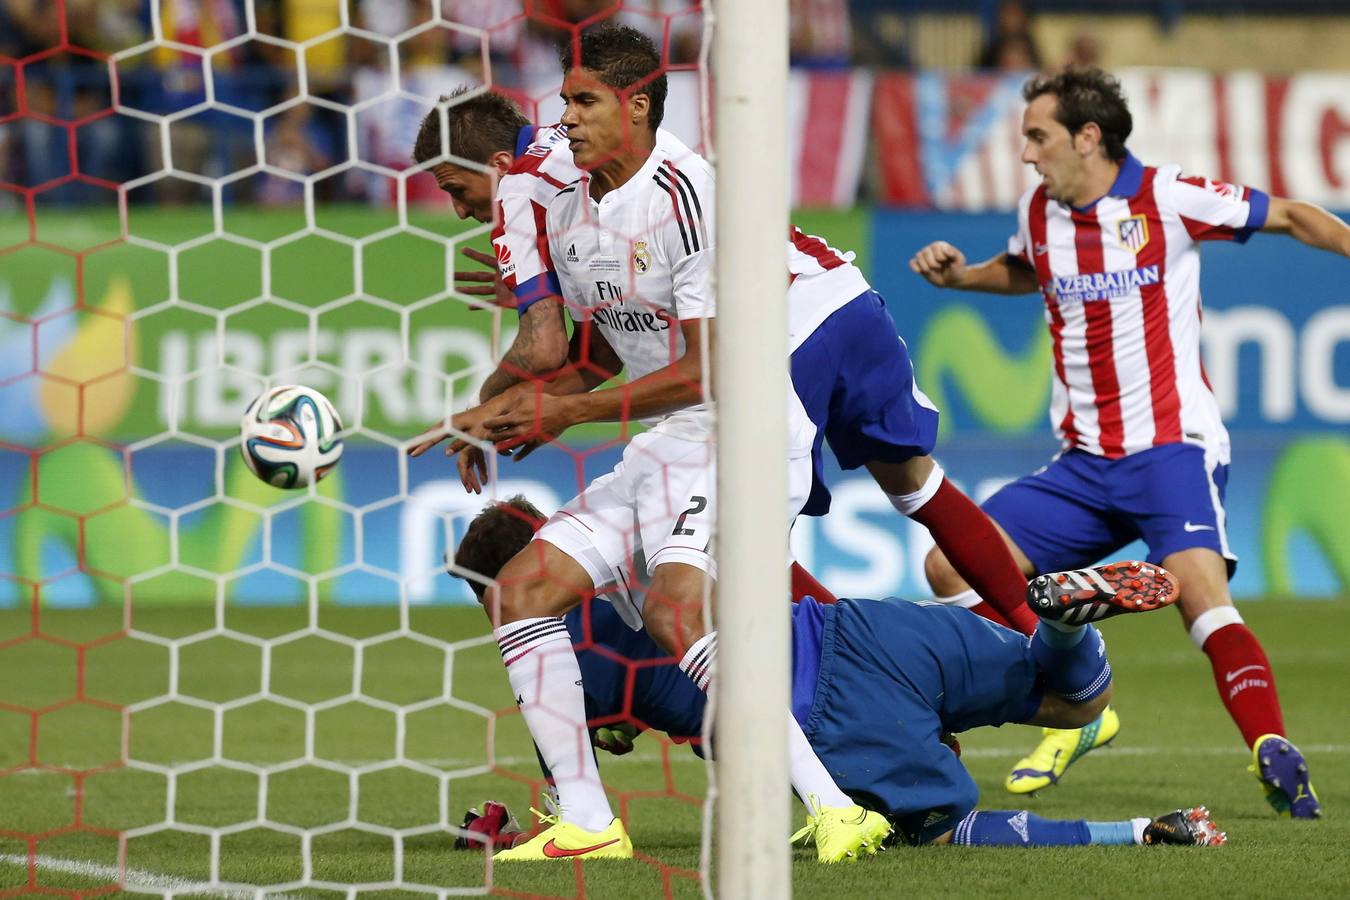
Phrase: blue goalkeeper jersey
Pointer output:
(626, 676)
(661, 696)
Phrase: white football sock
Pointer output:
(546, 681)
(966, 599)
(807, 773)
(1138, 826)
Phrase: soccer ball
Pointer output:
(290, 436)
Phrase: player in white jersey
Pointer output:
(1112, 246)
(644, 220)
(633, 263)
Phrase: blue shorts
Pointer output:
(854, 377)
(893, 676)
(1083, 507)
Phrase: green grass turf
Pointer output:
(1177, 747)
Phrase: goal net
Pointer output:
(213, 686)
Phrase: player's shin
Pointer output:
(972, 544)
(1241, 672)
(1019, 828)
(546, 681)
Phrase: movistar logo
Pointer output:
(1101, 285)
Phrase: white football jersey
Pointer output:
(542, 167)
(639, 261)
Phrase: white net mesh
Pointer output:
(221, 688)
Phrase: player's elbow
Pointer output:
(545, 356)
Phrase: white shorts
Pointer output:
(658, 505)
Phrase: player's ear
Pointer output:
(500, 161)
(1088, 139)
(639, 106)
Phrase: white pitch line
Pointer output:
(971, 753)
(678, 756)
(137, 879)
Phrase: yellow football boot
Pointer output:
(843, 833)
(563, 840)
(1060, 748)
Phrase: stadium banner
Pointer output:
(119, 465)
(953, 142)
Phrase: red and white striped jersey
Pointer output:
(820, 280)
(543, 166)
(1121, 284)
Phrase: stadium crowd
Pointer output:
(254, 75)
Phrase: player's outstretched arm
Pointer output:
(1309, 224)
(669, 388)
(540, 347)
(943, 265)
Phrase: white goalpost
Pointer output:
(750, 68)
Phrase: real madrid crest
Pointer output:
(642, 260)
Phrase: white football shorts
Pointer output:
(659, 504)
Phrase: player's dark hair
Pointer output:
(478, 125)
(624, 59)
(1086, 94)
(495, 535)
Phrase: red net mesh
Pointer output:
(77, 142)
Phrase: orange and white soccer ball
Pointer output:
(291, 436)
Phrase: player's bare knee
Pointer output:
(898, 479)
(673, 610)
(525, 591)
(942, 578)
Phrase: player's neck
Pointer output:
(1097, 181)
(615, 172)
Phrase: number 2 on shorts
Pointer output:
(700, 504)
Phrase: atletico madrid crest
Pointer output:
(1133, 232)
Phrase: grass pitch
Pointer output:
(403, 761)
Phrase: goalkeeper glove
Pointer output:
(617, 738)
(494, 827)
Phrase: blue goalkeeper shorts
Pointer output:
(893, 676)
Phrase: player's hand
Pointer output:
(941, 264)
(494, 827)
(471, 422)
(429, 438)
(484, 284)
(472, 466)
(531, 416)
(617, 738)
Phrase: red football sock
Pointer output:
(804, 584)
(978, 553)
(1245, 681)
(988, 612)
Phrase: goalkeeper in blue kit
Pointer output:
(875, 684)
